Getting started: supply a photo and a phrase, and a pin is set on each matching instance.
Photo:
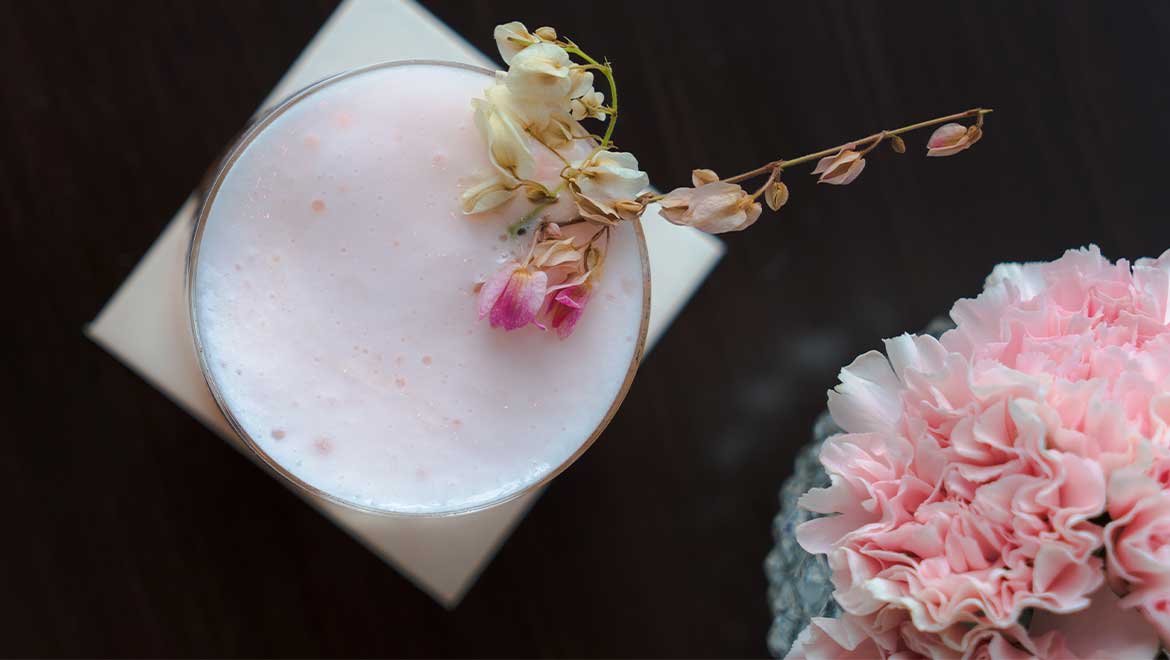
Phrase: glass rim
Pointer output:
(206, 197)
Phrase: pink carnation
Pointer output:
(871, 638)
(968, 483)
(1137, 539)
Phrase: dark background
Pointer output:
(132, 530)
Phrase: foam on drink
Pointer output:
(334, 299)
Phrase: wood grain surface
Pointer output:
(130, 530)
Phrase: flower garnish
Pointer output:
(512, 297)
(605, 179)
(840, 168)
(950, 139)
(712, 207)
(540, 102)
(566, 307)
(507, 146)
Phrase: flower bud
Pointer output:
(776, 195)
(950, 139)
(700, 177)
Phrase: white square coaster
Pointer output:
(146, 323)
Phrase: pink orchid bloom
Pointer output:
(566, 309)
(512, 297)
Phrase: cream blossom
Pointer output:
(715, 208)
(582, 83)
(589, 105)
(542, 74)
(511, 38)
(507, 145)
(608, 177)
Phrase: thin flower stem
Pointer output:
(873, 145)
(527, 218)
(876, 139)
(607, 71)
(751, 174)
(974, 112)
(771, 179)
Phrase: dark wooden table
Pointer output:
(131, 530)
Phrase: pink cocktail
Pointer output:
(333, 293)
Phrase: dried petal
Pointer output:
(550, 254)
(535, 192)
(714, 207)
(950, 139)
(897, 144)
(546, 33)
(841, 168)
(674, 205)
(592, 211)
(629, 209)
(486, 195)
(566, 309)
(700, 177)
(776, 195)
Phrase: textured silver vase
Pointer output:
(799, 587)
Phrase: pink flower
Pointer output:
(894, 636)
(841, 168)
(1104, 630)
(950, 139)
(967, 484)
(512, 296)
(1137, 542)
(566, 308)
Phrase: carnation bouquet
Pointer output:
(1004, 491)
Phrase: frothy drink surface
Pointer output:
(334, 298)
